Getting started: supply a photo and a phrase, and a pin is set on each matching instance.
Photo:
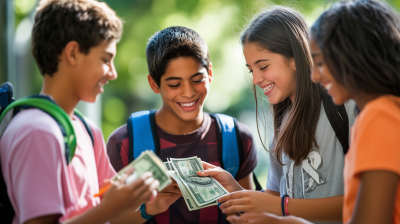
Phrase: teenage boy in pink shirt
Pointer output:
(74, 44)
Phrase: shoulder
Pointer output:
(33, 120)
(244, 130)
(33, 129)
(95, 129)
(389, 105)
(119, 134)
(382, 108)
(375, 141)
(379, 118)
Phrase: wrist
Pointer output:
(143, 212)
(150, 209)
(279, 207)
(238, 187)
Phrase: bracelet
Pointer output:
(143, 212)
(282, 204)
(286, 205)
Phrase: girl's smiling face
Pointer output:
(272, 72)
(323, 75)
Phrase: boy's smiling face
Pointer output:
(184, 87)
(94, 70)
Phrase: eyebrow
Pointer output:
(179, 78)
(110, 54)
(261, 60)
(315, 54)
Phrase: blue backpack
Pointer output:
(9, 108)
(143, 135)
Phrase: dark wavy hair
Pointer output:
(58, 22)
(360, 43)
(283, 31)
(171, 43)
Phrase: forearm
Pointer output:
(247, 182)
(317, 210)
(132, 217)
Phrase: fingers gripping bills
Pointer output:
(198, 192)
(147, 161)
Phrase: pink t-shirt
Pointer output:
(39, 182)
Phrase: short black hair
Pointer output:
(58, 22)
(174, 42)
(360, 43)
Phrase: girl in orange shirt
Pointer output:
(356, 51)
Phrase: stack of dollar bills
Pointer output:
(198, 192)
(147, 161)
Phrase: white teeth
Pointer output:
(188, 104)
(267, 88)
(327, 87)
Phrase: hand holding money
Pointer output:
(146, 162)
(198, 192)
(220, 175)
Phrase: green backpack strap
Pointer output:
(56, 112)
(88, 129)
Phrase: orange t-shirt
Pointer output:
(374, 145)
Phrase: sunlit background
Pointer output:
(219, 22)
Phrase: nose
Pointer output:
(187, 90)
(257, 78)
(112, 72)
(316, 75)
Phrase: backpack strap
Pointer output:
(54, 111)
(339, 121)
(88, 129)
(142, 133)
(230, 151)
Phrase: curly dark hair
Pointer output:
(58, 22)
(360, 43)
(171, 43)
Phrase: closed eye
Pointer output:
(199, 81)
(174, 86)
(263, 68)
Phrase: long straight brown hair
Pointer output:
(283, 31)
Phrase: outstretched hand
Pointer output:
(164, 199)
(220, 175)
(261, 218)
(250, 201)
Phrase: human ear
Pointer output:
(210, 72)
(70, 52)
(153, 84)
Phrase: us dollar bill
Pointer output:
(204, 190)
(190, 202)
(148, 161)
